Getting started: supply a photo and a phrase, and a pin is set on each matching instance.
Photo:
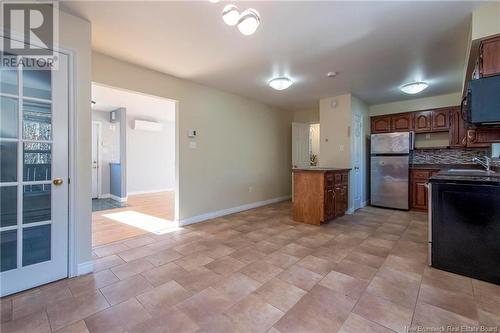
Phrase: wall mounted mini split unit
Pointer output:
(144, 125)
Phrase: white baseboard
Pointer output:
(104, 196)
(151, 191)
(85, 268)
(364, 203)
(119, 199)
(227, 211)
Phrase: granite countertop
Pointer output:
(445, 166)
(320, 169)
(464, 178)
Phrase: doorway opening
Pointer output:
(305, 145)
(133, 165)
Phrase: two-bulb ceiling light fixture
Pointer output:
(248, 21)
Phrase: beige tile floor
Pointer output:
(258, 271)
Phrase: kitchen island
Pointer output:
(319, 194)
(464, 223)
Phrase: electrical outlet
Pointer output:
(250, 189)
(341, 147)
(428, 136)
(192, 144)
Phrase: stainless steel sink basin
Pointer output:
(472, 172)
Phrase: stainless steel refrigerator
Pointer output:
(390, 169)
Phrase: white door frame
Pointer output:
(357, 175)
(99, 156)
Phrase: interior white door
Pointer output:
(34, 177)
(357, 158)
(96, 128)
(300, 145)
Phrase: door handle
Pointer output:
(58, 181)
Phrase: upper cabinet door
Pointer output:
(490, 57)
(441, 120)
(423, 121)
(402, 122)
(381, 124)
(457, 130)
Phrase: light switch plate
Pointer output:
(192, 144)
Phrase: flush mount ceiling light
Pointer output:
(249, 22)
(214, 1)
(414, 87)
(331, 74)
(280, 83)
(230, 15)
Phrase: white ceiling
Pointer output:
(147, 107)
(375, 46)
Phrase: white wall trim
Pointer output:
(170, 189)
(227, 211)
(105, 196)
(85, 268)
(364, 203)
(119, 199)
(99, 157)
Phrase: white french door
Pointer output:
(33, 176)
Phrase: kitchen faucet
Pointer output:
(486, 164)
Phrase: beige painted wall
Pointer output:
(337, 142)
(75, 34)
(309, 116)
(486, 21)
(241, 143)
(416, 104)
(335, 123)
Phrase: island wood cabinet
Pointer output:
(319, 195)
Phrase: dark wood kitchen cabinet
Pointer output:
(319, 195)
(418, 188)
(401, 122)
(423, 121)
(440, 119)
(489, 57)
(482, 137)
(437, 120)
(381, 124)
(458, 132)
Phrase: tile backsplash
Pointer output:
(447, 156)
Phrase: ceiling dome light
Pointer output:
(414, 87)
(280, 83)
(249, 22)
(214, 1)
(230, 15)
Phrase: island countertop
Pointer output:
(475, 178)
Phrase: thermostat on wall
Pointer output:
(191, 133)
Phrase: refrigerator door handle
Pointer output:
(412, 140)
